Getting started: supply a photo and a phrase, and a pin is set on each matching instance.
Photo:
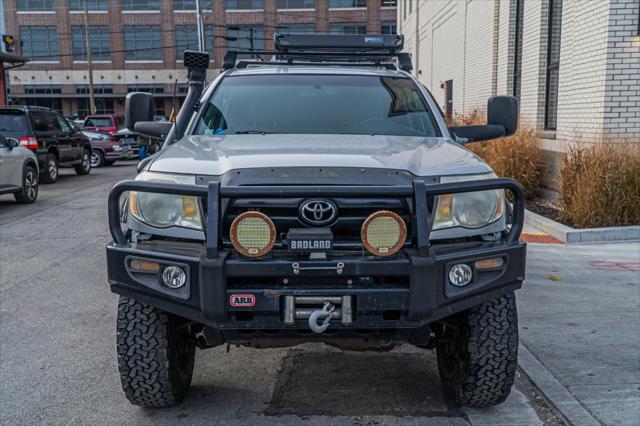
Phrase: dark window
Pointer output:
(39, 43)
(99, 39)
(140, 5)
(389, 3)
(296, 4)
(297, 28)
(245, 4)
(12, 123)
(35, 5)
(91, 4)
(186, 5)
(45, 121)
(517, 53)
(448, 99)
(349, 28)
(103, 106)
(553, 64)
(318, 104)
(343, 4)
(148, 88)
(187, 38)
(98, 89)
(42, 89)
(142, 42)
(247, 38)
(388, 28)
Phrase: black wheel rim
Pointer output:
(31, 185)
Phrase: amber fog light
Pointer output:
(494, 263)
(383, 233)
(253, 234)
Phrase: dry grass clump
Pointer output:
(517, 156)
(601, 186)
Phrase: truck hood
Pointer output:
(216, 155)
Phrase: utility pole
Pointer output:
(200, 27)
(92, 100)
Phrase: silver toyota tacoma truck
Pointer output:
(315, 194)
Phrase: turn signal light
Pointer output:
(253, 234)
(144, 266)
(383, 233)
(485, 264)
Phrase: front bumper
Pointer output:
(407, 291)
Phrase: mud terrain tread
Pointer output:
(486, 355)
(143, 355)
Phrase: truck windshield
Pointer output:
(317, 104)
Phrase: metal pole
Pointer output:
(92, 100)
(200, 27)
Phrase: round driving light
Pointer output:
(383, 233)
(173, 276)
(253, 234)
(460, 275)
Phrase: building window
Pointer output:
(553, 64)
(140, 5)
(388, 28)
(47, 100)
(91, 4)
(349, 28)
(39, 43)
(185, 5)
(142, 42)
(517, 52)
(35, 5)
(98, 89)
(247, 38)
(99, 39)
(389, 3)
(297, 28)
(103, 106)
(346, 4)
(245, 4)
(296, 4)
(187, 38)
(147, 88)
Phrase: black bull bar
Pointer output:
(213, 300)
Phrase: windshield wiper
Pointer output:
(250, 132)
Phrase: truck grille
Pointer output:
(351, 214)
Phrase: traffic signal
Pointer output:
(8, 41)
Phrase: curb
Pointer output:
(570, 235)
(572, 412)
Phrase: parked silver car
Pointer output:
(18, 171)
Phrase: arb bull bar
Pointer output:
(426, 298)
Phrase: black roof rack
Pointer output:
(303, 49)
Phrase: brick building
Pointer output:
(138, 44)
(574, 64)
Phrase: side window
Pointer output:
(53, 125)
(38, 121)
(63, 124)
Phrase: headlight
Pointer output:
(165, 210)
(116, 148)
(469, 209)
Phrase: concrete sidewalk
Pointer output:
(579, 312)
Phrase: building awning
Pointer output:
(85, 95)
(13, 59)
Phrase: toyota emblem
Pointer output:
(318, 212)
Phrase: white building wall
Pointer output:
(472, 43)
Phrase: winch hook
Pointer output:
(324, 314)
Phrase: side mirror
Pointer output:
(502, 120)
(9, 142)
(138, 107)
(153, 129)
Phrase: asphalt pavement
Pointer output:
(57, 340)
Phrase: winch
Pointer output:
(319, 311)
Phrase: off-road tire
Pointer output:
(84, 168)
(155, 355)
(51, 169)
(478, 356)
(29, 191)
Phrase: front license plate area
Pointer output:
(309, 240)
